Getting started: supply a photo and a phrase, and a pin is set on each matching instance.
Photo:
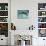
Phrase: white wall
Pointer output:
(21, 5)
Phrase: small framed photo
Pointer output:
(42, 33)
(22, 14)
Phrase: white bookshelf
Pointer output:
(41, 18)
(4, 17)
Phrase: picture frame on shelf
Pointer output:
(42, 32)
(41, 25)
(3, 6)
(3, 13)
(41, 13)
(3, 19)
(41, 6)
(41, 19)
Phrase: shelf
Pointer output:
(41, 22)
(3, 10)
(3, 16)
(41, 10)
(41, 28)
(42, 16)
(3, 22)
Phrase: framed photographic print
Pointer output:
(42, 32)
(22, 14)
